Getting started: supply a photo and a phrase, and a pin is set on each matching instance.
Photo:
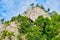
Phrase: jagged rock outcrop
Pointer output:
(34, 12)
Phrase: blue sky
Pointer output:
(10, 8)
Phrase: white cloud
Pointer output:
(20, 6)
(14, 7)
(25, 5)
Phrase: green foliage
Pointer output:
(40, 29)
(6, 33)
(22, 18)
(34, 34)
(24, 27)
(42, 21)
(13, 18)
(7, 23)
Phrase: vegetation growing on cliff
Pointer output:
(40, 29)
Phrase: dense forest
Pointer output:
(40, 29)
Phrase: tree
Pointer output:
(35, 34)
(32, 4)
(13, 18)
(22, 18)
(37, 5)
(24, 27)
(42, 7)
(2, 20)
(7, 23)
(48, 9)
(49, 27)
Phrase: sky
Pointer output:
(10, 8)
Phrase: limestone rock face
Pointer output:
(1, 28)
(34, 12)
(12, 27)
